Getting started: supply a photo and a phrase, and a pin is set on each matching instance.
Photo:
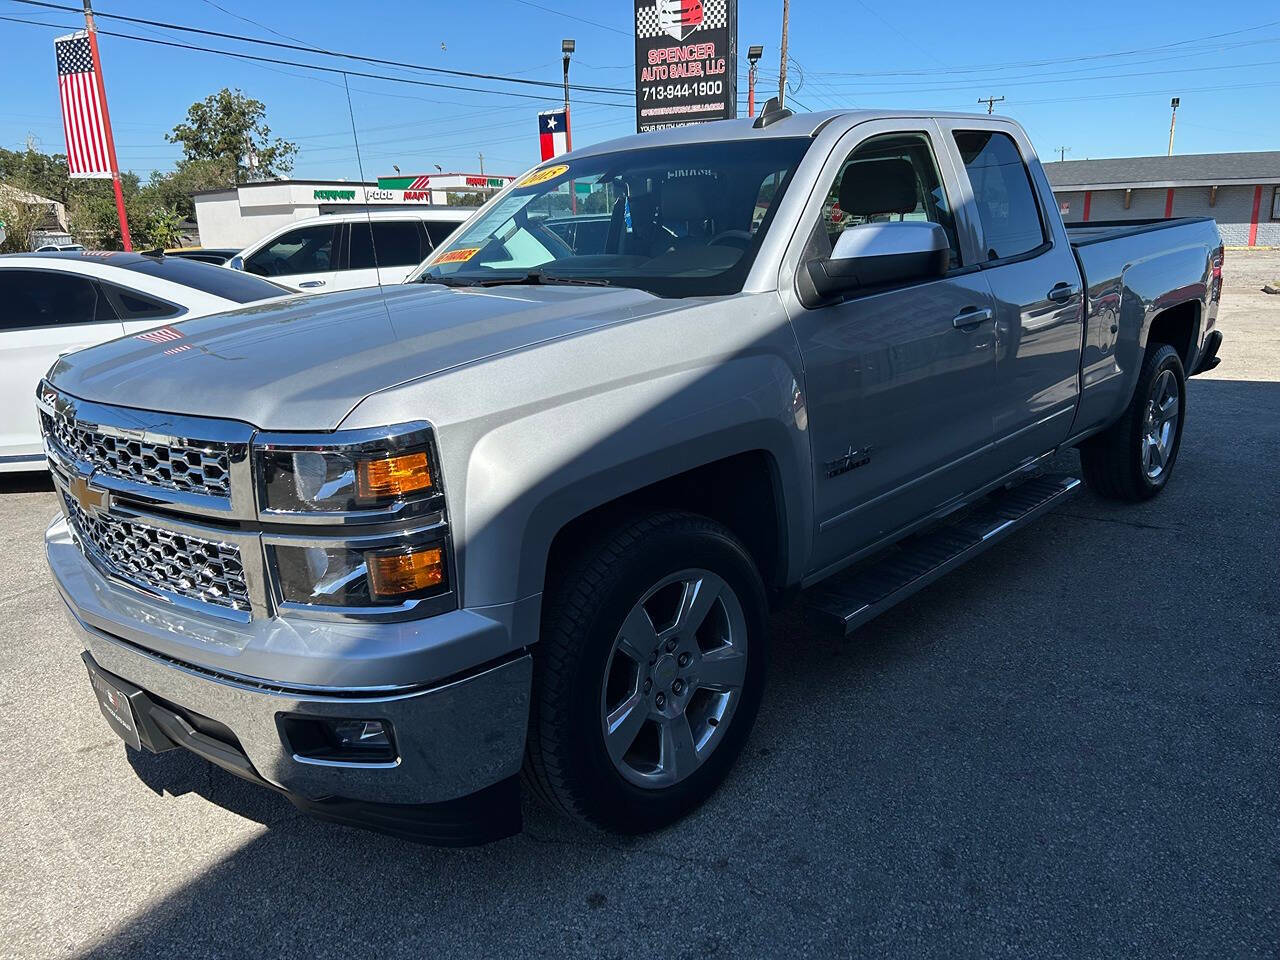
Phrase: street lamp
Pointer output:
(753, 57)
(567, 47)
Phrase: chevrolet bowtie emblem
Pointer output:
(89, 497)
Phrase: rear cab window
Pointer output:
(1005, 199)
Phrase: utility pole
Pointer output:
(481, 156)
(753, 57)
(1062, 153)
(991, 103)
(782, 69)
(1173, 119)
(106, 125)
(567, 47)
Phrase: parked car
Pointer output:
(59, 302)
(343, 251)
(59, 248)
(537, 516)
(215, 255)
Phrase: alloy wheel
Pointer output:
(674, 678)
(1160, 426)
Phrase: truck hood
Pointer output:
(304, 362)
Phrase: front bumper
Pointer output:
(459, 727)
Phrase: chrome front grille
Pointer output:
(192, 468)
(163, 560)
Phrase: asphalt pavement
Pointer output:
(1068, 748)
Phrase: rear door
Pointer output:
(45, 314)
(384, 251)
(898, 396)
(1036, 285)
(304, 258)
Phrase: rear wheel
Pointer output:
(648, 673)
(1133, 458)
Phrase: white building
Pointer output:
(236, 217)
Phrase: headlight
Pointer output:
(348, 575)
(356, 472)
(355, 523)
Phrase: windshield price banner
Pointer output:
(686, 62)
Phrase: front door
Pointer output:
(898, 394)
(303, 258)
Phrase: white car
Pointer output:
(336, 251)
(52, 304)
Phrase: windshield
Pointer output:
(682, 220)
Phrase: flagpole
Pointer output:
(106, 123)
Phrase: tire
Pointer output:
(1119, 462)
(588, 669)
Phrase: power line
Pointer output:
(572, 16)
(972, 68)
(312, 66)
(320, 51)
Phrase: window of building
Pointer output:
(1275, 204)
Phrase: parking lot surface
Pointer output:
(1069, 747)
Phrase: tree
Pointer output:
(227, 127)
(175, 188)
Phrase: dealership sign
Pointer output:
(686, 62)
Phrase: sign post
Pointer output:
(686, 62)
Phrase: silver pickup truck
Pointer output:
(384, 550)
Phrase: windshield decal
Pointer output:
(543, 175)
(460, 255)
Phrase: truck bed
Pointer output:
(1081, 234)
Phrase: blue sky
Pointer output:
(1221, 60)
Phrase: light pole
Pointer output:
(753, 57)
(567, 48)
(1173, 119)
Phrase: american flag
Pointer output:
(159, 335)
(87, 154)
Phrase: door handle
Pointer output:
(1062, 292)
(311, 283)
(968, 319)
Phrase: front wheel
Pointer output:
(1133, 458)
(648, 673)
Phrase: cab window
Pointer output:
(1002, 190)
(304, 250)
(886, 178)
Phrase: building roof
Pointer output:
(1192, 169)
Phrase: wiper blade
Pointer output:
(448, 281)
(538, 278)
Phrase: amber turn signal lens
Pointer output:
(393, 477)
(397, 574)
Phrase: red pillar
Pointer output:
(1253, 219)
(1168, 203)
(1088, 199)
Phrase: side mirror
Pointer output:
(875, 255)
(236, 262)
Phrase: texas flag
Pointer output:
(553, 132)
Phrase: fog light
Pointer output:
(339, 739)
(401, 572)
(392, 477)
